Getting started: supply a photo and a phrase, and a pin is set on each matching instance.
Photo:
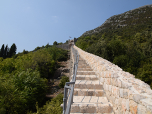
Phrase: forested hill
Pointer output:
(125, 40)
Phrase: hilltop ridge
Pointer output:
(122, 20)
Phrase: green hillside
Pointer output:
(125, 40)
(24, 81)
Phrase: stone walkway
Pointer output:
(89, 97)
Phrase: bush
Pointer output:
(64, 79)
(51, 107)
(145, 74)
(121, 61)
(20, 92)
(23, 80)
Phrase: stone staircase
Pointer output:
(89, 97)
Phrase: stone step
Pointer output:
(86, 77)
(91, 108)
(83, 66)
(82, 62)
(92, 113)
(85, 73)
(89, 100)
(88, 92)
(87, 84)
(90, 104)
(84, 69)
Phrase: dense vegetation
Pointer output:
(23, 80)
(64, 79)
(51, 107)
(125, 40)
(7, 52)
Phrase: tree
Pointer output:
(60, 43)
(47, 45)
(55, 43)
(2, 51)
(6, 52)
(37, 48)
(12, 50)
(25, 52)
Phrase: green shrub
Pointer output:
(51, 107)
(23, 80)
(121, 61)
(64, 79)
(145, 74)
(20, 92)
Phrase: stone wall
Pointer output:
(127, 94)
(64, 46)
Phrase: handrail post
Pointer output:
(65, 100)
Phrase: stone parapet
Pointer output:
(127, 94)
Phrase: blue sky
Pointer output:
(32, 23)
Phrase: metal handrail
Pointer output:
(69, 86)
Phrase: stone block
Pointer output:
(91, 93)
(127, 104)
(138, 97)
(102, 80)
(104, 108)
(82, 93)
(141, 109)
(119, 110)
(75, 108)
(112, 99)
(75, 93)
(116, 104)
(115, 91)
(110, 88)
(109, 81)
(121, 93)
(119, 83)
(126, 85)
(133, 107)
(99, 93)
(148, 103)
(91, 109)
(123, 105)
(120, 101)
(125, 93)
(115, 75)
(104, 86)
(98, 86)
(107, 87)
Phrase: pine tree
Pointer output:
(2, 51)
(6, 52)
(12, 50)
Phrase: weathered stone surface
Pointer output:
(138, 97)
(127, 94)
(121, 93)
(141, 109)
(106, 108)
(133, 107)
(75, 108)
